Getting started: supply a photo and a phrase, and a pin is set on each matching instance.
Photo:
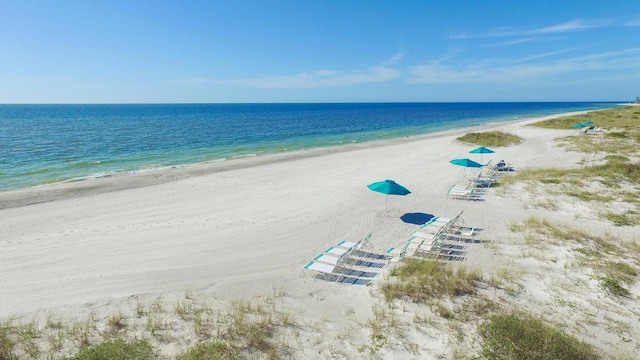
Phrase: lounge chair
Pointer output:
(341, 263)
(328, 272)
(463, 193)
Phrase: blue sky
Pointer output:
(138, 51)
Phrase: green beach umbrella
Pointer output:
(388, 187)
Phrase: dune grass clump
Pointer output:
(210, 351)
(117, 349)
(7, 343)
(490, 138)
(512, 336)
(422, 280)
(613, 287)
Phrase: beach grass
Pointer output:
(621, 117)
(599, 253)
(615, 181)
(117, 349)
(518, 336)
(245, 327)
(422, 280)
(618, 132)
(490, 138)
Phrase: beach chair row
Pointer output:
(347, 262)
(466, 192)
(428, 240)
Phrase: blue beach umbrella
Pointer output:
(466, 163)
(388, 187)
(481, 150)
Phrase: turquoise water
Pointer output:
(42, 144)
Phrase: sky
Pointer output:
(263, 51)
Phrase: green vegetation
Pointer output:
(490, 138)
(247, 327)
(596, 249)
(614, 287)
(210, 351)
(117, 349)
(622, 137)
(620, 180)
(623, 117)
(422, 280)
(511, 336)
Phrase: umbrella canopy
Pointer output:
(388, 187)
(481, 150)
(578, 126)
(587, 123)
(466, 163)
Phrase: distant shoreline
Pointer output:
(131, 180)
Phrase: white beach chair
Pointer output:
(339, 251)
(328, 272)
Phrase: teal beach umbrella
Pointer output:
(466, 163)
(481, 150)
(578, 126)
(587, 123)
(388, 187)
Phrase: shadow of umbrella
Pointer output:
(416, 218)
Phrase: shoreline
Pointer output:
(130, 180)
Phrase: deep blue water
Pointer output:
(42, 144)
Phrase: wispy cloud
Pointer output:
(444, 71)
(493, 72)
(313, 79)
(569, 26)
(316, 79)
(512, 42)
(545, 55)
(393, 60)
(632, 23)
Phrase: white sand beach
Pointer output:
(245, 228)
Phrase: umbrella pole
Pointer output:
(386, 198)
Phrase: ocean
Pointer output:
(42, 144)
